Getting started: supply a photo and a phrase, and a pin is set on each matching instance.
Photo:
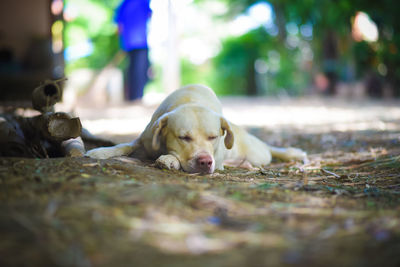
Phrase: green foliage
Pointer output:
(237, 73)
(196, 74)
(327, 17)
(364, 56)
(233, 70)
(93, 24)
(233, 63)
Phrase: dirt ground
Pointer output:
(340, 209)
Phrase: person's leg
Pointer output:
(137, 73)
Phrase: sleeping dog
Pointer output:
(188, 132)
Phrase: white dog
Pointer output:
(188, 132)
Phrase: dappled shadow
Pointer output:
(86, 212)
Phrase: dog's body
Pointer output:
(188, 132)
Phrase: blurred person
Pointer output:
(132, 17)
(330, 61)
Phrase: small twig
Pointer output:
(330, 173)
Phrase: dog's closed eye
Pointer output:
(186, 138)
(213, 137)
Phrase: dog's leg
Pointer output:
(257, 153)
(288, 154)
(113, 151)
(169, 162)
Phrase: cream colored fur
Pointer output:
(188, 132)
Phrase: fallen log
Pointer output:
(57, 126)
(50, 134)
(40, 136)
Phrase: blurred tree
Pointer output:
(259, 62)
(385, 52)
(256, 63)
(89, 28)
(334, 49)
(235, 64)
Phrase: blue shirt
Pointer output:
(132, 16)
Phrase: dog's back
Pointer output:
(191, 94)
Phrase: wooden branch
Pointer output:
(73, 147)
(46, 95)
(57, 126)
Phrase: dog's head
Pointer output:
(193, 134)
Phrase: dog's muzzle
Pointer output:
(204, 163)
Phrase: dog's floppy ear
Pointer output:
(157, 127)
(229, 138)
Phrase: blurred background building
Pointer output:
(237, 47)
(31, 46)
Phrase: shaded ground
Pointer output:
(341, 209)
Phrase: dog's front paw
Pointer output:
(168, 162)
